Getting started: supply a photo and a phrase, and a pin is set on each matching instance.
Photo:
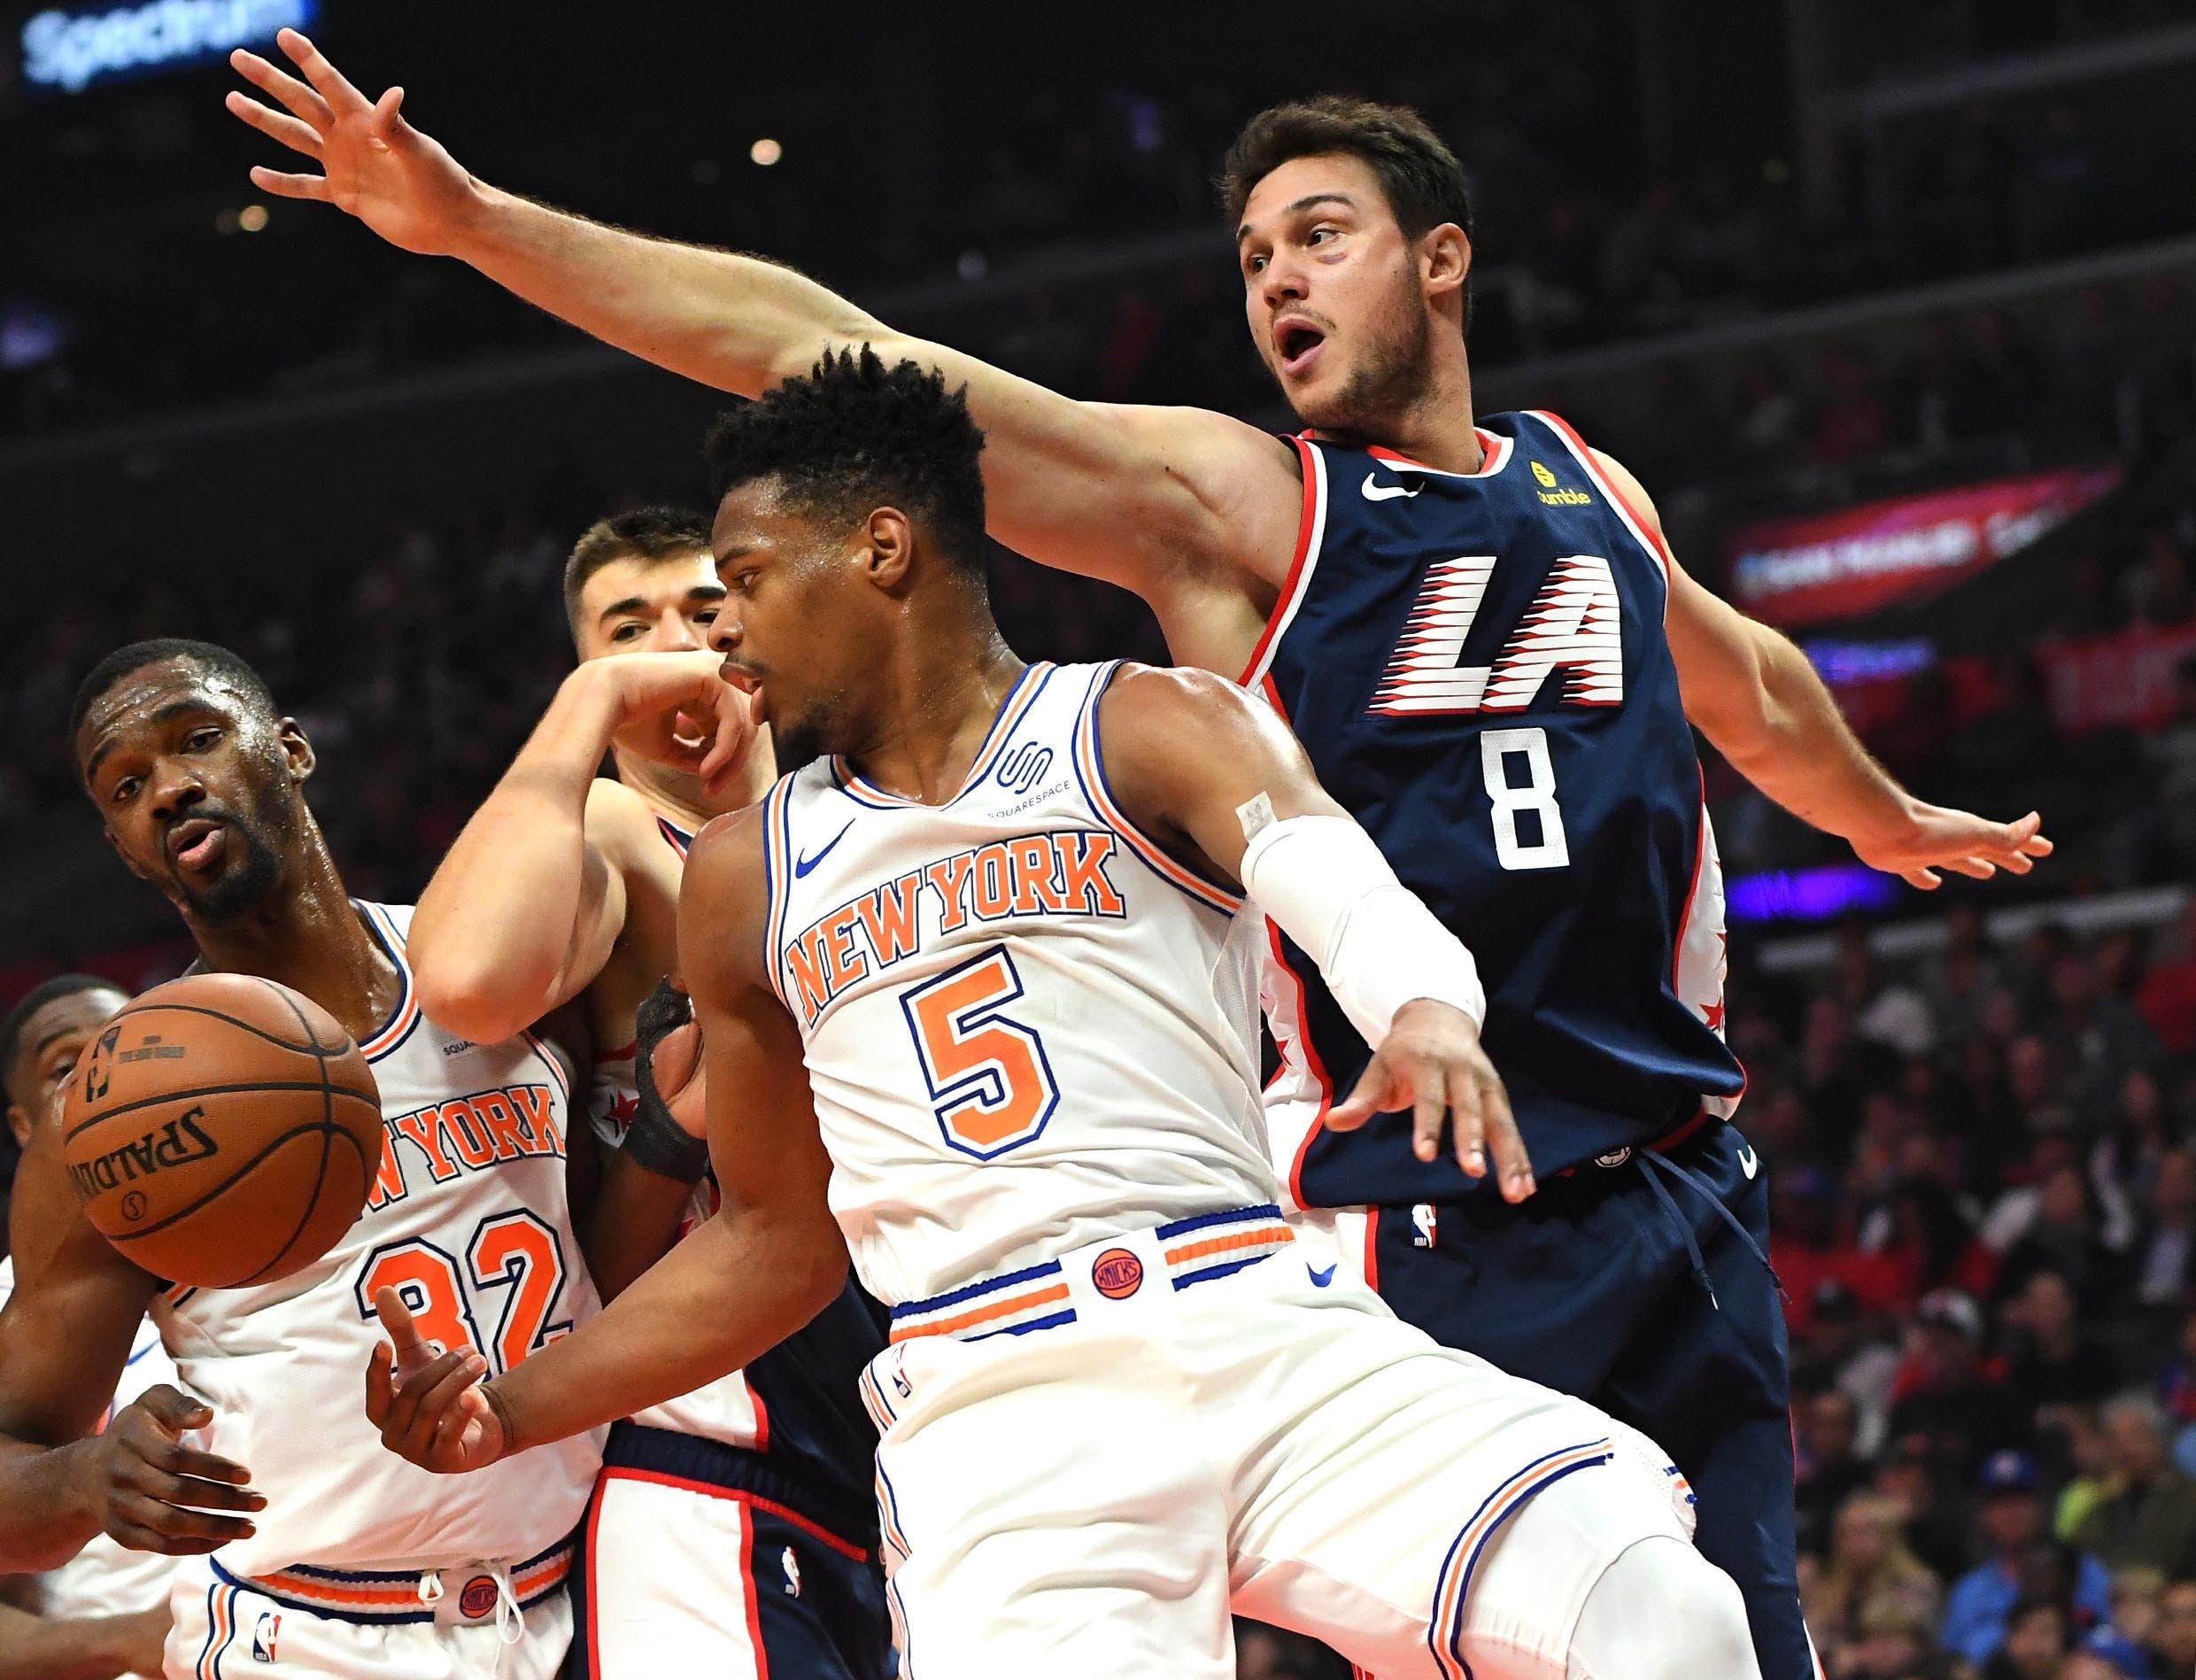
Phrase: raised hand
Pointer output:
(1932, 837)
(373, 164)
(1432, 1063)
(155, 1494)
(675, 710)
(428, 1402)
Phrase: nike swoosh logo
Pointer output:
(802, 865)
(1748, 1162)
(1386, 492)
(1320, 1279)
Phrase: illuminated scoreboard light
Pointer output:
(68, 52)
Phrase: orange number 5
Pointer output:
(990, 1081)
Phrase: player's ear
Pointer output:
(19, 1124)
(297, 750)
(1444, 258)
(890, 540)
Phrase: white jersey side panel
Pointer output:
(105, 1579)
(1025, 1027)
(470, 1222)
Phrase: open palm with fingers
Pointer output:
(1934, 837)
(373, 164)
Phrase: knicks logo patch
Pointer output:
(478, 1598)
(1117, 1274)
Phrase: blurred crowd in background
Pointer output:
(1978, 1113)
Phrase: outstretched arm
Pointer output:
(1159, 501)
(523, 913)
(1218, 779)
(769, 1261)
(1754, 695)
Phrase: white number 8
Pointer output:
(1538, 795)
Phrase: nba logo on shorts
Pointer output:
(478, 1598)
(1118, 1274)
(1423, 1225)
(263, 1637)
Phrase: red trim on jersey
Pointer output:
(1313, 1065)
(762, 1415)
(1372, 1248)
(1304, 522)
(754, 1595)
(1495, 450)
(739, 1496)
(594, 1551)
(1641, 526)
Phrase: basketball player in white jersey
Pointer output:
(1352, 226)
(731, 1531)
(105, 1612)
(1002, 932)
(307, 1550)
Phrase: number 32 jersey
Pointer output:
(471, 1223)
(1025, 1028)
(1476, 664)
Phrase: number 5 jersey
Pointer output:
(471, 1223)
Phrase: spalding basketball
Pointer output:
(222, 1131)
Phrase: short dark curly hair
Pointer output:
(12, 1024)
(208, 656)
(852, 436)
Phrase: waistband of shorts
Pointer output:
(383, 1598)
(843, 1520)
(1045, 1296)
(1682, 1134)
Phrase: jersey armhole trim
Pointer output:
(406, 1015)
(776, 882)
(1310, 529)
(1090, 770)
(1635, 521)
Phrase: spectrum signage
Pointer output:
(1825, 567)
(69, 52)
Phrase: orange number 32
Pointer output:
(513, 1255)
(989, 1080)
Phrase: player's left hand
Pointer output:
(429, 1403)
(1432, 1063)
(1930, 838)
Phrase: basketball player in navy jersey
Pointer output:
(733, 1531)
(1481, 637)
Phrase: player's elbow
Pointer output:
(468, 998)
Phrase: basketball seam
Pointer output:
(311, 1046)
(229, 1183)
(371, 1099)
(326, 1126)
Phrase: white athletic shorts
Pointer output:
(1156, 1432)
(477, 1621)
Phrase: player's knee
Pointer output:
(1663, 1612)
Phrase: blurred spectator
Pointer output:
(2150, 1518)
(2054, 1358)
(1944, 1395)
(1868, 1563)
(2033, 1645)
(1908, 1476)
(1831, 1467)
(2011, 1521)
(2165, 1254)
(2167, 995)
(2173, 1644)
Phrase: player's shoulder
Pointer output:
(724, 899)
(619, 822)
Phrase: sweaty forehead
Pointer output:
(144, 697)
(754, 515)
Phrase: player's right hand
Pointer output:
(373, 163)
(675, 710)
(428, 1402)
(154, 1493)
(1433, 1063)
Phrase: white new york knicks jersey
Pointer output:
(1025, 1027)
(105, 1579)
(470, 1222)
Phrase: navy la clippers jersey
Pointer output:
(1476, 664)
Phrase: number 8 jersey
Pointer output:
(1026, 1027)
(1476, 664)
(471, 1223)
